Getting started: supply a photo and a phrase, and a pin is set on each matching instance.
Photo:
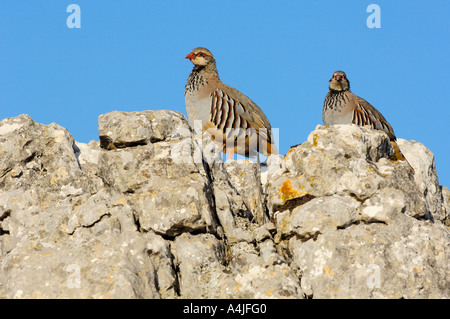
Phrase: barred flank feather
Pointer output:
(231, 119)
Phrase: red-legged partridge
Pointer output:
(234, 122)
(341, 106)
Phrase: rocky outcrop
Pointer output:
(151, 211)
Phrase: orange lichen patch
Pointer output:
(44, 205)
(290, 151)
(122, 201)
(53, 180)
(418, 269)
(288, 192)
(328, 271)
(371, 169)
(397, 154)
(315, 139)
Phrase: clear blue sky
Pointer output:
(129, 56)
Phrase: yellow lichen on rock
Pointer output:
(288, 192)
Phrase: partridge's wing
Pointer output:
(365, 114)
(239, 118)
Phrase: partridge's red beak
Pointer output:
(338, 77)
(190, 56)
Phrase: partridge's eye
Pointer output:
(201, 54)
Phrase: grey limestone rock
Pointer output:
(151, 211)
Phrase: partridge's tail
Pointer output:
(271, 149)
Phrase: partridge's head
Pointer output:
(200, 56)
(339, 81)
